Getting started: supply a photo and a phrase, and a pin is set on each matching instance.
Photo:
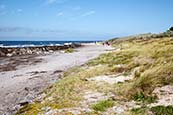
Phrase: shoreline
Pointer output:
(32, 74)
(16, 51)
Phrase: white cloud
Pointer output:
(88, 13)
(60, 14)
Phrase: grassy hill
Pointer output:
(136, 78)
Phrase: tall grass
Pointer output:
(155, 61)
(151, 61)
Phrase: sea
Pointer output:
(39, 43)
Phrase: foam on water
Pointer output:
(38, 43)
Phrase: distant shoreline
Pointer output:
(41, 43)
(14, 51)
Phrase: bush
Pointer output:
(143, 98)
(162, 110)
(139, 111)
(103, 105)
(69, 50)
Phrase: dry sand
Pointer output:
(23, 78)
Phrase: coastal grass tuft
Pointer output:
(69, 50)
(155, 63)
(162, 110)
(150, 61)
(30, 109)
(139, 111)
(141, 97)
(103, 105)
(67, 92)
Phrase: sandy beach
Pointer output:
(23, 78)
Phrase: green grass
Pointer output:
(67, 92)
(103, 105)
(139, 111)
(113, 58)
(153, 57)
(30, 109)
(162, 110)
(69, 50)
(141, 97)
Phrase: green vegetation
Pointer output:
(143, 98)
(148, 57)
(67, 92)
(69, 50)
(157, 110)
(103, 105)
(161, 110)
(154, 59)
(31, 109)
(139, 111)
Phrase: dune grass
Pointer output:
(139, 111)
(162, 110)
(149, 60)
(155, 60)
(69, 50)
(67, 92)
(103, 105)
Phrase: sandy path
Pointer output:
(22, 85)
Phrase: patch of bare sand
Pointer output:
(164, 95)
(111, 79)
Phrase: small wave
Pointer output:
(30, 45)
(58, 44)
(18, 46)
(68, 43)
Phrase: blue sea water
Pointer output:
(38, 43)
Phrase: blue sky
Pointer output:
(82, 19)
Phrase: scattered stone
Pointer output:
(35, 72)
(12, 51)
(23, 103)
(164, 95)
(57, 71)
(43, 71)
(26, 89)
(9, 55)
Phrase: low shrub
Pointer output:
(143, 98)
(103, 105)
(69, 50)
(162, 110)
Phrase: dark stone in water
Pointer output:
(57, 71)
(8, 52)
(23, 103)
